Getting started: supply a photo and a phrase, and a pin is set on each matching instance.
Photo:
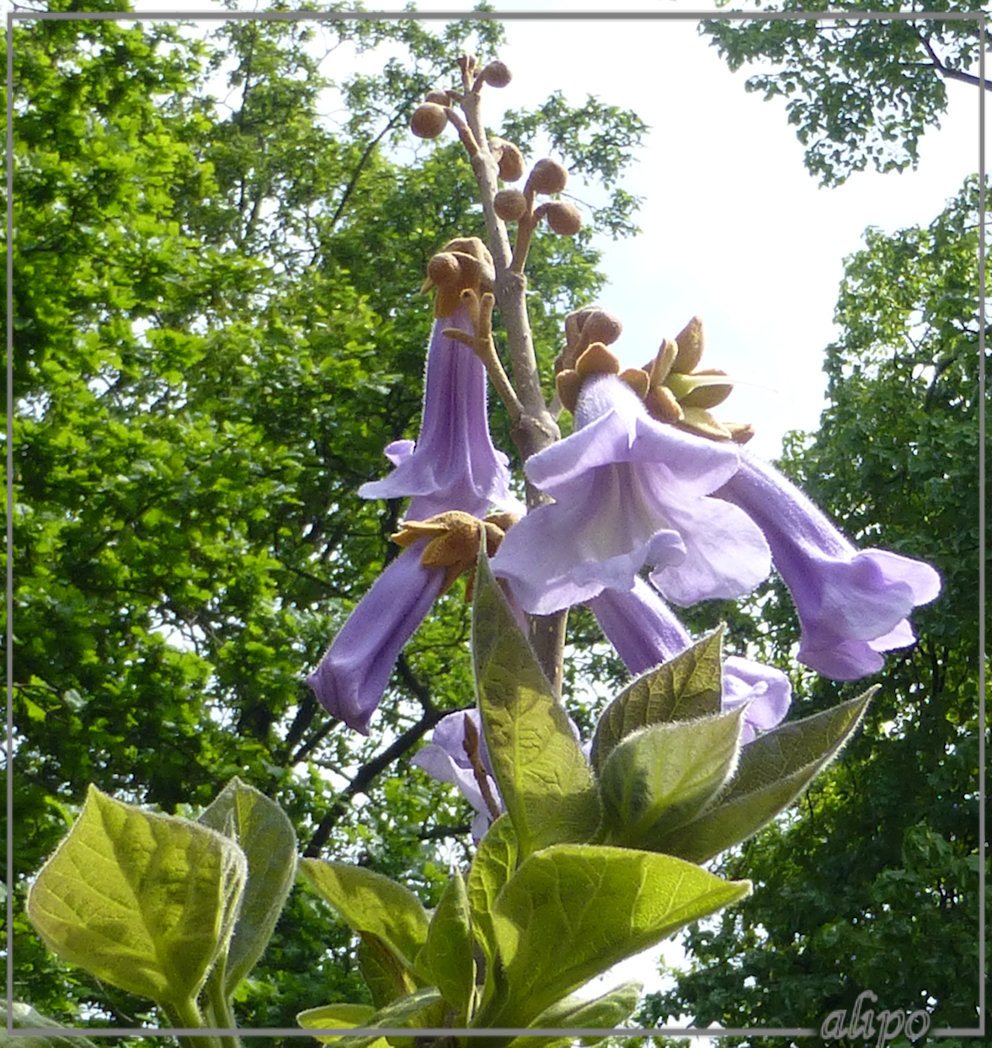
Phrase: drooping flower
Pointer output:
(852, 604)
(645, 633)
(629, 491)
(352, 675)
(350, 680)
(453, 465)
(448, 757)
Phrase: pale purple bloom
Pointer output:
(353, 674)
(852, 604)
(444, 758)
(646, 633)
(630, 491)
(453, 464)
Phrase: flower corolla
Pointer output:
(646, 633)
(852, 604)
(630, 491)
(453, 464)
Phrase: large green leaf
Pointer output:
(266, 836)
(546, 782)
(494, 864)
(423, 1008)
(773, 770)
(686, 687)
(144, 901)
(370, 902)
(604, 1013)
(661, 777)
(447, 961)
(572, 911)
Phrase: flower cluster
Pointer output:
(647, 483)
(650, 501)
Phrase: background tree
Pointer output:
(858, 90)
(874, 885)
(217, 328)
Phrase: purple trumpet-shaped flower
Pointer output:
(446, 759)
(646, 633)
(352, 675)
(852, 604)
(453, 464)
(630, 491)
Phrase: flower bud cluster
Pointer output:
(463, 264)
(674, 389)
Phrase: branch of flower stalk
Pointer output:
(535, 428)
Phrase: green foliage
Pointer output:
(858, 90)
(217, 328)
(543, 776)
(144, 901)
(884, 863)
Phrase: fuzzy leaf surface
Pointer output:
(684, 688)
(143, 901)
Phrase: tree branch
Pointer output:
(366, 774)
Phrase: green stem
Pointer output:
(186, 1015)
(220, 1009)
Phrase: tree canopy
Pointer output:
(219, 245)
(860, 90)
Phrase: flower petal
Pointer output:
(353, 674)
(851, 604)
(453, 464)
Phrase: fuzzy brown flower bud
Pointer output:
(564, 218)
(547, 176)
(509, 158)
(496, 74)
(600, 326)
(510, 204)
(428, 120)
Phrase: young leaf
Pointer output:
(266, 837)
(383, 971)
(604, 1013)
(338, 1017)
(143, 901)
(545, 779)
(369, 902)
(773, 770)
(447, 961)
(572, 911)
(424, 1008)
(494, 864)
(684, 688)
(658, 778)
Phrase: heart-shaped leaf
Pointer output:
(143, 901)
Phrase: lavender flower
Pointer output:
(453, 464)
(445, 758)
(353, 674)
(852, 604)
(630, 491)
(646, 633)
